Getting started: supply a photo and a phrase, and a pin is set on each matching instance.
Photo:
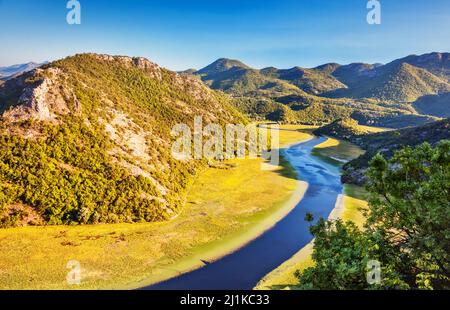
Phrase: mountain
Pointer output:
(436, 63)
(372, 94)
(352, 74)
(342, 128)
(87, 139)
(388, 142)
(222, 65)
(8, 72)
(238, 79)
(313, 81)
(396, 82)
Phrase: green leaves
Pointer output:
(407, 230)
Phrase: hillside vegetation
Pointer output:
(87, 139)
(372, 94)
(343, 129)
(384, 142)
(387, 143)
(406, 232)
(226, 207)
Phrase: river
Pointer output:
(243, 269)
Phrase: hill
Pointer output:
(436, 63)
(397, 82)
(313, 81)
(342, 129)
(388, 142)
(436, 105)
(87, 139)
(372, 94)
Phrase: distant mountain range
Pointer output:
(15, 70)
(407, 91)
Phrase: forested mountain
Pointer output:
(436, 63)
(386, 143)
(406, 92)
(395, 82)
(87, 139)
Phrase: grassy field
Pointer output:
(373, 129)
(349, 207)
(289, 134)
(225, 209)
(337, 151)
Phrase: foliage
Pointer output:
(72, 171)
(342, 128)
(377, 95)
(407, 229)
(340, 251)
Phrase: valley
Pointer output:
(225, 209)
(87, 173)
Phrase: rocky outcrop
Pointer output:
(43, 99)
(152, 69)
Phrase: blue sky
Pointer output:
(181, 34)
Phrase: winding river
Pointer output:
(243, 269)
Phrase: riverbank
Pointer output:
(226, 209)
(349, 207)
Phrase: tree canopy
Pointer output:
(407, 229)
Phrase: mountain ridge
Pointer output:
(87, 140)
(374, 94)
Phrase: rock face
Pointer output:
(42, 100)
(101, 126)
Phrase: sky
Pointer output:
(182, 34)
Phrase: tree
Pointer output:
(407, 230)
(339, 254)
(410, 213)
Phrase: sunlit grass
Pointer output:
(373, 129)
(355, 202)
(338, 151)
(225, 209)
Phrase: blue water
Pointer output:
(243, 269)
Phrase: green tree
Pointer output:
(407, 231)
(339, 254)
(410, 213)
